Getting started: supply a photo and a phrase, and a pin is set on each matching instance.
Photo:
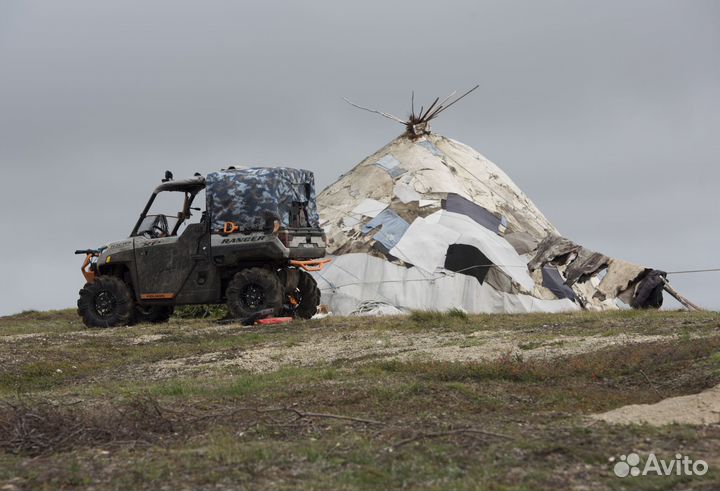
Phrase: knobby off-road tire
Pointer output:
(106, 302)
(309, 296)
(254, 289)
(155, 314)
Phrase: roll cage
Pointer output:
(191, 187)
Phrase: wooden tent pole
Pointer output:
(684, 301)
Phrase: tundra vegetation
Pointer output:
(426, 401)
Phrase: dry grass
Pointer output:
(40, 427)
(511, 421)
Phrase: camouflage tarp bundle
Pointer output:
(252, 197)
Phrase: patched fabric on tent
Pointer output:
(552, 280)
(428, 223)
(458, 204)
(392, 228)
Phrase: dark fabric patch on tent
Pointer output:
(552, 248)
(458, 204)
(552, 280)
(648, 294)
(467, 259)
(586, 265)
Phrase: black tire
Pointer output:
(252, 290)
(154, 314)
(309, 296)
(106, 302)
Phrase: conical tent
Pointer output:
(428, 223)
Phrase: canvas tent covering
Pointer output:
(428, 223)
(252, 197)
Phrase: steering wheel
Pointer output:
(159, 227)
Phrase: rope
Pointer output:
(694, 271)
(440, 275)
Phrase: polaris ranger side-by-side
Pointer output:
(252, 249)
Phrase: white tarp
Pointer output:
(367, 208)
(496, 248)
(426, 241)
(425, 244)
(352, 279)
(405, 192)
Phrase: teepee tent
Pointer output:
(428, 223)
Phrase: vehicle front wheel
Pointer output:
(106, 302)
(252, 290)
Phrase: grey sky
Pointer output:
(607, 114)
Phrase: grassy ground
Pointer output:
(90, 409)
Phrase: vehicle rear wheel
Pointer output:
(307, 296)
(252, 290)
(106, 302)
(154, 314)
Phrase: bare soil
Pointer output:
(694, 409)
(429, 401)
(366, 346)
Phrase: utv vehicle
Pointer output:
(252, 248)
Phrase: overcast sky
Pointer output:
(607, 114)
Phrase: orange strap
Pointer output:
(156, 296)
(274, 320)
(311, 264)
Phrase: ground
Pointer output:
(426, 401)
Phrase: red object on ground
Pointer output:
(274, 320)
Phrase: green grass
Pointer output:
(222, 427)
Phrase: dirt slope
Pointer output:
(372, 345)
(694, 409)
